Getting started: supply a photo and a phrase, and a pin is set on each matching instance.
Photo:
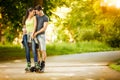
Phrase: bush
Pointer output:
(87, 35)
(114, 41)
(113, 33)
(91, 35)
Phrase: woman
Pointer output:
(29, 30)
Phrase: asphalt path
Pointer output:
(86, 66)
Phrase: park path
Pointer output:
(92, 66)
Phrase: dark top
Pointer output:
(40, 22)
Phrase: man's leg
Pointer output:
(43, 55)
(42, 46)
(38, 55)
(43, 60)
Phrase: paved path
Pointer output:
(90, 66)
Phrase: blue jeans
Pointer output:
(27, 49)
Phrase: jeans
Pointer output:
(27, 49)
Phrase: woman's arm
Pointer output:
(24, 29)
(35, 26)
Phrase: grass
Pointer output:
(81, 47)
(11, 52)
(115, 65)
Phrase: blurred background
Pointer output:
(75, 26)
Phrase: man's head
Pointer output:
(38, 9)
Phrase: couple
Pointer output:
(35, 24)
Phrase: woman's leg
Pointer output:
(34, 50)
(27, 50)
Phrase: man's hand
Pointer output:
(35, 34)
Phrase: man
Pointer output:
(42, 23)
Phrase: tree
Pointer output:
(38, 2)
(12, 12)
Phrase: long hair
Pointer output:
(27, 14)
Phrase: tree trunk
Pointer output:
(38, 2)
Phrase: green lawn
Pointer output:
(81, 47)
(115, 65)
(11, 52)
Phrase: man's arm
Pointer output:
(42, 29)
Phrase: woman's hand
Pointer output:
(32, 35)
(24, 30)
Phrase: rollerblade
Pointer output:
(39, 63)
(27, 69)
(42, 66)
(37, 67)
(32, 69)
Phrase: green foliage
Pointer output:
(114, 39)
(12, 14)
(110, 29)
(81, 16)
(50, 5)
(97, 8)
(115, 65)
(89, 21)
(87, 35)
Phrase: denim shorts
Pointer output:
(41, 41)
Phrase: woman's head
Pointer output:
(29, 12)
